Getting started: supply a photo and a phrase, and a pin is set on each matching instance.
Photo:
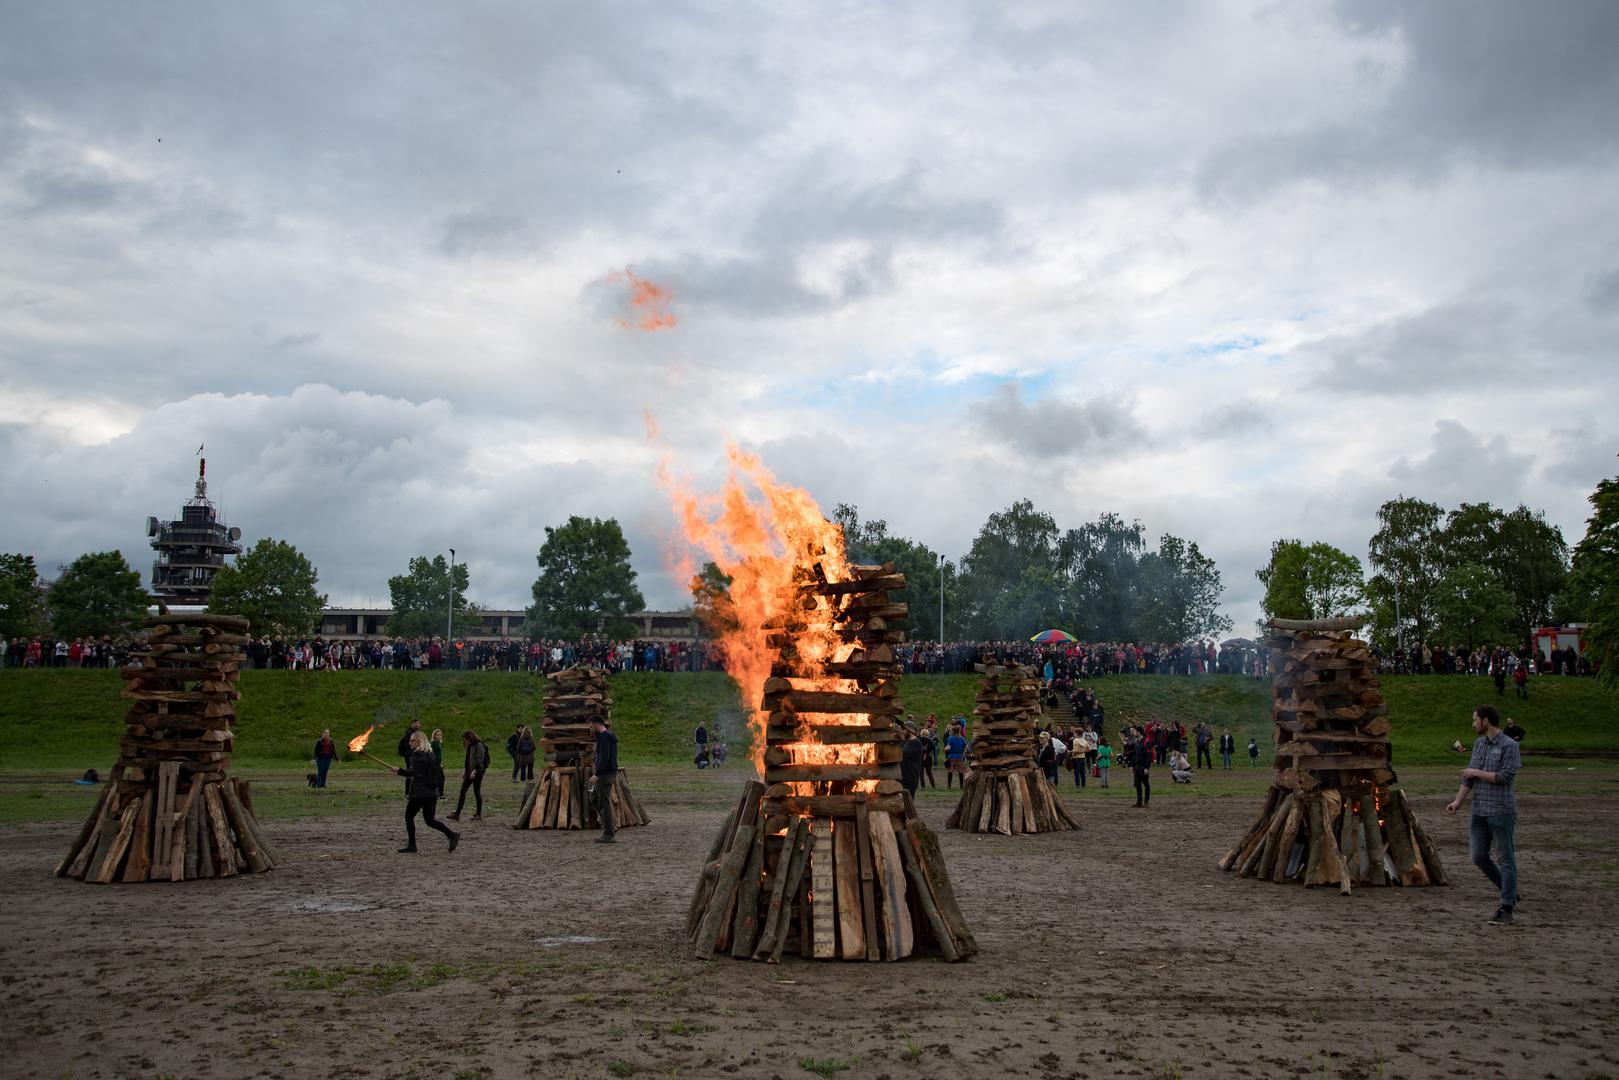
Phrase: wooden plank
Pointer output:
(256, 861)
(833, 805)
(87, 832)
(823, 891)
(725, 889)
(138, 866)
(846, 860)
(791, 889)
(1003, 807)
(1407, 861)
(891, 879)
(825, 702)
(772, 922)
(1425, 848)
(787, 774)
(177, 838)
(1019, 804)
(1284, 843)
(108, 869)
(745, 926)
(922, 889)
(205, 847)
(868, 875)
(224, 850)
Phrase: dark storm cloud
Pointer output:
(1519, 86)
(1053, 427)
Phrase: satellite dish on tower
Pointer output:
(235, 533)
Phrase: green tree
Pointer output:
(586, 584)
(422, 599)
(1102, 560)
(1407, 554)
(1596, 580)
(871, 542)
(1011, 578)
(711, 600)
(1310, 581)
(1180, 593)
(1528, 557)
(273, 586)
(22, 596)
(98, 594)
(1472, 608)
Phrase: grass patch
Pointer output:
(824, 1066)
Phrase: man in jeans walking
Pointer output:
(1489, 777)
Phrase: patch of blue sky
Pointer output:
(911, 384)
(1216, 348)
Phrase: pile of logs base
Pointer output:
(1006, 792)
(1334, 815)
(169, 811)
(559, 799)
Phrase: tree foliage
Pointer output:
(1527, 556)
(1180, 593)
(1596, 579)
(1472, 608)
(871, 542)
(1311, 581)
(273, 586)
(98, 594)
(22, 596)
(1408, 559)
(586, 584)
(422, 599)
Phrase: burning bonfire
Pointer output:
(170, 810)
(1335, 815)
(826, 857)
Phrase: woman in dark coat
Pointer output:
(473, 766)
(325, 751)
(422, 793)
(525, 754)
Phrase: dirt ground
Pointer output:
(1118, 950)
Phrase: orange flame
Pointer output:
(771, 541)
(357, 743)
(649, 303)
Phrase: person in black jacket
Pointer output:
(423, 785)
(1141, 765)
(910, 763)
(606, 769)
(475, 764)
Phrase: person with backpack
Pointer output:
(424, 783)
(473, 766)
(525, 754)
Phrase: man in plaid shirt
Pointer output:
(1488, 777)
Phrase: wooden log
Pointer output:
(828, 702)
(1349, 840)
(256, 862)
(787, 774)
(219, 837)
(771, 924)
(205, 844)
(922, 891)
(1407, 863)
(868, 881)
(725, 889)
(1232, 858)
(1017, 797)
(1313, 830)
(193, 831)
(1284, 843)
(107, 870)
(823, 875)
(138, 864)
(846, 860)
(1430, 854)
(178, 835)
(87, 832)
(722, 841)
(931, 861)
(1372, 837)
(168, 775)
(745, 927)
(890, 875)
(1003, 806)
(791, 889)
(833, 805)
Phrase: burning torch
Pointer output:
(357, 746)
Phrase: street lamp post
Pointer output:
(941, 600)
(449, 607)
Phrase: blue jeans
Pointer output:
(1503, 873)
(321, 765)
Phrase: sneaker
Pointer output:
(408, 850)
(455, 838)
(1502, 917)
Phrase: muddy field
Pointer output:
(1115, 951)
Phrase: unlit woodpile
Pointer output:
(826, 858)
(1334, 815)
(559, 799)
(1006, 792)
(169, 811)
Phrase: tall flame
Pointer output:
(767, 537)
(649, 303)
(357, 743)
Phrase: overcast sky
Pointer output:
(1238, 270)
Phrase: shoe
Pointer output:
(606, 840)
(1502, 917)
(475, 817)
(455, 838)
(408, 850)
(454, 817)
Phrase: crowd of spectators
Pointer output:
(459, 654)
(1083, 660)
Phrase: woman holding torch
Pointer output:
(426, 780)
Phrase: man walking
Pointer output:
(1204, 737)
(606, 774)
(1489, 778)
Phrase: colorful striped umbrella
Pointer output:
(1047, 637)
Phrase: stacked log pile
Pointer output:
(826, 857)
(170, 810)
(1006, 792)
(1335, 815)
(560, 798)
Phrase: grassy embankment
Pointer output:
(54, 724)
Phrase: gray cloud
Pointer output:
(1056, 427)
(1463, 467)
(1465, 341)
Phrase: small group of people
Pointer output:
(711, 749)
(81, 652)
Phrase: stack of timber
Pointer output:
(560, 798)
(1006, 792)
(826, 858)
(1335, 815)
(170, 811)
